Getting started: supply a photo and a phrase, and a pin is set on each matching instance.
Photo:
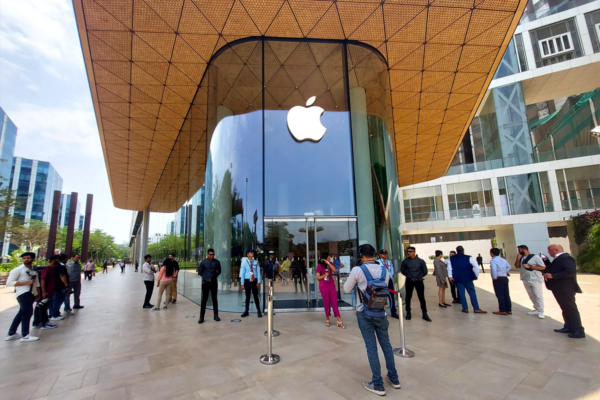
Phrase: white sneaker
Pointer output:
(13, 337)
(534, 312)
(57, 318)
(29, 338)
(541, 315)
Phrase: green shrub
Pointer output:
(587, 237)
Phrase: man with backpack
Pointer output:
(370, 282)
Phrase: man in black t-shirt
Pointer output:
(480, 262)
(62, 285)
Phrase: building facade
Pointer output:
(8, 138)
(63, 214)
(529, 161)
(33, 183)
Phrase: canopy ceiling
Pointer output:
(145, 60)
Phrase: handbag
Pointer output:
(94, 273)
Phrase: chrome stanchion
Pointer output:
(270, 358)
(272, 293)
(402, 351)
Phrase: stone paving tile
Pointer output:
(113, 349)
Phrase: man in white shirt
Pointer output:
(531, 267)
(500, 267)
(22, 278)
(148, 270)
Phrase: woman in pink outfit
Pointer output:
(325, 270)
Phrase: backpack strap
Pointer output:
(365, 271)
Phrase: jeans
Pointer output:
(209, 287)
(23, 315)
(149, 290)
(502, 293)
(369, 327)
(57, 301)
(470, 287)
(419, 285)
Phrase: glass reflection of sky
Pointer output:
(306, 178)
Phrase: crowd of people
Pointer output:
(41, 291)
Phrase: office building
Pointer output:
(8, 138)
(63, 214)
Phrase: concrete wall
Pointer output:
(472, 248)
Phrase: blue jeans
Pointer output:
(461, 286)
(369, 327)
(57, 301)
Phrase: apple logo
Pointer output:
(304, 123)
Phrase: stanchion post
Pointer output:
(402, 351)
(272, 291)
(270, 358)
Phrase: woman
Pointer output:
(325, 270)
(165, 278)
(440, 271)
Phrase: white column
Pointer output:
(445, 201)
(363, 181)
(496, 196)
(143, 236)
(554, 190)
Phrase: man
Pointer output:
(74, 272)
(23, 279)
(453, 290)
(209, 270)
(480, 262)
(561, 279)
(500, 268)
(415, 270)
(137, 264)
(171, 260)
(61, 288)
(463, 270)
(371, 327)
(148, 270)
(531, 267)
(48, 278)
(384, 262)
(285, 271)
(250, 281)
(270, 268)
(297, 274)
(122, 265)
(89, 270)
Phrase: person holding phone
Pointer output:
(440, 271)
(325, 270)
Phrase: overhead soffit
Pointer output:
(145, 61)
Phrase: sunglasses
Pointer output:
(211, 254)
(410, 251)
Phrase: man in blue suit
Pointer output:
(463, 270)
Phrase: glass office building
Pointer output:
(8, 138)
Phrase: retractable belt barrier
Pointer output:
(270, 358)
(402, 351)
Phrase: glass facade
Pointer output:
(579, 188)
(556, 43)
(423, 204)
(521, 194)
(471, 199)
(269, 188)
(8, 138)
(593, 24)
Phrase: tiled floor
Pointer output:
(113, 349)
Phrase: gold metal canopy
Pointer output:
(145, 60)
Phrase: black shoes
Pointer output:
(426, 317)
(245, 314)
(441, 305)
(78, 307)
(147, 306)
(395, 315)
(217, 318)
(408, 315)
(448, 305)
(562, 330)
(201, 320)
(577, 335)
(174, 301)
(259, 315)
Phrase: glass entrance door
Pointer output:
(293, 247)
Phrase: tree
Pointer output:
(33, 236)
(9, 201)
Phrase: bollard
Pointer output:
(402, 351)
(270, 358)
(272, 292)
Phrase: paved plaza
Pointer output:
(113, 349)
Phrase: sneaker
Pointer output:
(49, 326)
(541, 315)
(534, 312)
(156, 309)
(13, 337)
(395, 385)
(371, 388)
(59, 318)
(29, 338)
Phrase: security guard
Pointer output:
(383, 261)
(250, 280)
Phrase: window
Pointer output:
(556, 45)
(593, 23)
(423, 204)
(546, 192)
(471, 199)
(579, 188)
(521, 54)
(520, 194)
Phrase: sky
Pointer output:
(45, 91)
